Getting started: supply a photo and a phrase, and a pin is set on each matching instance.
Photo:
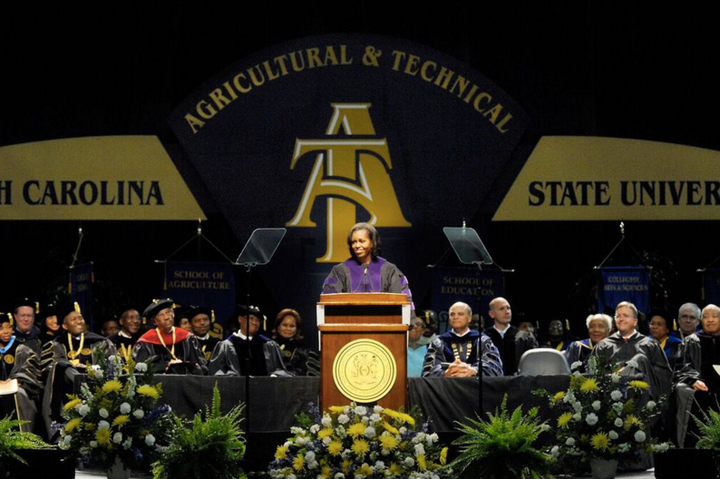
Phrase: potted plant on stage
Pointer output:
(210, 448)
(115, 422)
(503, 447)
(604, 418)
(12, 441)
(359, 441)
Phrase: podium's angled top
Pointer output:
(368, 299)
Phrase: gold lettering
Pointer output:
(399, 56)
(314, 58)
(424, 71)
(411, 65)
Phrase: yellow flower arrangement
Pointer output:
(394, 469)
(325, 432)
(639, 385)
(422, 464)
(443, 455)
(558, 396)
(390, 428)
(631, 421)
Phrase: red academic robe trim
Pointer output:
(152, 337)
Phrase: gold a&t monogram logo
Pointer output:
(349, 172)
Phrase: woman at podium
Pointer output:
(365, 271)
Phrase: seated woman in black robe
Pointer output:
(298, 358)
(598, 326)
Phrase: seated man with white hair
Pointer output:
(459, 352)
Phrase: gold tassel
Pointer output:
(567, 324)
(77, 307)
(212, 315)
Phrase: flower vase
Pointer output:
(603, 468)
(118, 470)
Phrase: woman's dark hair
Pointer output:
(279, 319)
(372, 233)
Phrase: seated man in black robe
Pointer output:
(129, 333)
(634, 353)
(459, 352)
(697, 382)
(510, 342)
(20, 364)
(248, 352)
(201, 319)
(169, 350)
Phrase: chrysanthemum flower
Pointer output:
(639, 385)
(564, 419)
(112, 386)
(388, 442)
(147, 390)
(325, 432)
(72, 424)
(421, 461)
(395, 469)
(280, 453)
(558, 397)
(299, 462)
(335, 448)
(72, 404)
(120, 420)
(357, 429)
(390, 428)
(589, 386)
(103, 436)
(600, 441)
(360, 447)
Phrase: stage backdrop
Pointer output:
(322, 132)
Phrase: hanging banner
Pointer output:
(96, 178)
(209, 285)
(470, 285)
(82, 279)
(587, 178)
(711, 286)
(617, 284)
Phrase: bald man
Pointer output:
(510, 342)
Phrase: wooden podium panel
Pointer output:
(363, 342)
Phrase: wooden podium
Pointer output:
(363, 343)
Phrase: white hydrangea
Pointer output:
(624, 447)
(640, 436)
(555, 452)
(291, 476)
(577, 406)
(326, 421)
(326, 440)
(339, 475)
(149, 439)
(117, 437)
(650, 405)
(125, 408)
(343, 419)
(83, 409)
(128, 442)
(93, 444)
(419, 449)
(570, 442)
(617, 407)
(139, 413)
(618, 422)
(613, 435)
(662, 447)
(314, 428)
(615, 395)
(103, 413)
(103, 425)
(310, 456)
(402, 430)
(615, 378)
(577, 416)
(375, 417)
(140, 367)
(432, 438)
(409, 461)
(378, 409)
(596, 405)
(369, 432)
(591, 419)
(576, 365)
(312, 465)
(67, 440)
(361, 411)
(301, 441)
(297, 430)
(379, 466)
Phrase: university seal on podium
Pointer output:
(364, 370)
